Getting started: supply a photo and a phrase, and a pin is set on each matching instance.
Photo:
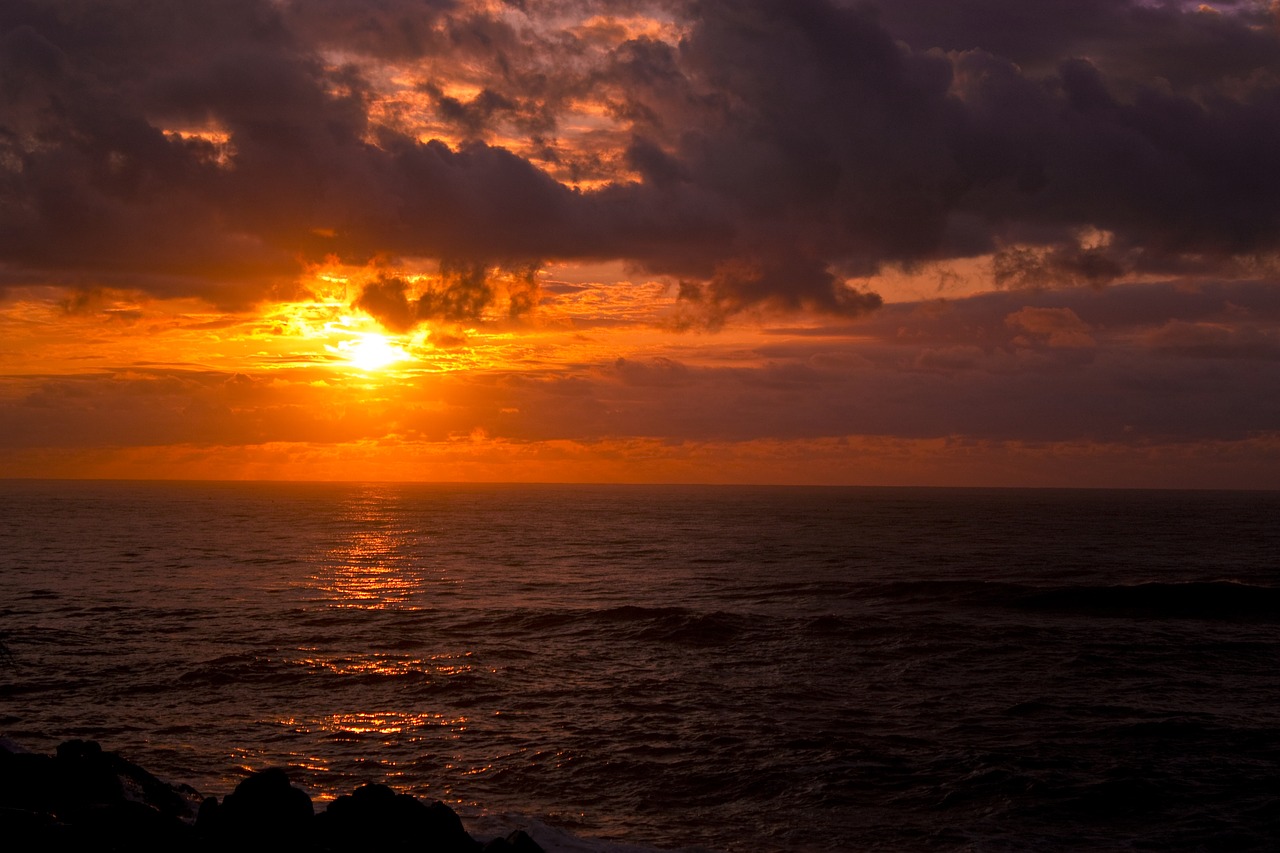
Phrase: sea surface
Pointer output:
(700, 668)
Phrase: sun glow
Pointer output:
(372, 351)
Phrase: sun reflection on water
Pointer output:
(375, 582)
(383, 562)
(388, 678)
(391, 665)
(385, 746)
(376, 723)
(369, 571)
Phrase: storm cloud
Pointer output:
(763, 152)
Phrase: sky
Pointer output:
(904, 242)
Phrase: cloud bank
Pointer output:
(763, 152)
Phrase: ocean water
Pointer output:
(723, 669)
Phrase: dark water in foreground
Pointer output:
(735, 669)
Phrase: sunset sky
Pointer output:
(948, 242)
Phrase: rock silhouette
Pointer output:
(86, 798)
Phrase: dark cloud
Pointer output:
(460, 293)
(789, 281)
(89, 179)
(388, 29)
(823, 139)
(1127, 311)
(388, 300)
(782, 146)
(1058, 266)
(1183, 43)
(472, 116)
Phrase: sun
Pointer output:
(372, 351)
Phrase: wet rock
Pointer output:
(88, 799)
(128, 826)
(90, 776)
(522, 842)
(87, 793)
(518, 841)
(22, 823)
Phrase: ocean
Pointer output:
(629, 668)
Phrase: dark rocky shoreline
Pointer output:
(85, 798)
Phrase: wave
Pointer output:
(628, 622)
(1218, 599)
(239, 669)
(1189, 600)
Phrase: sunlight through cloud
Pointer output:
(370, 352)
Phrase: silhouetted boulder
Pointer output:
(87, 777)
(265, 809)
(85, 798)
(88, 799)
(91, 776)
(374, 817)
(208, 817)
(446, 832)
